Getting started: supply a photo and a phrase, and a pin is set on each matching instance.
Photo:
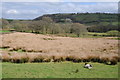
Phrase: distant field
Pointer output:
(58, 70)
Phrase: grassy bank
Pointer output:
(58, 70)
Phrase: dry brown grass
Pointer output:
(43, 48)
(35, 43)
(6, 57)
(28, 57)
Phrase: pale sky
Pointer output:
(31, 10)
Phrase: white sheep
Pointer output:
(89, 66)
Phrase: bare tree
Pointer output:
(78, 29)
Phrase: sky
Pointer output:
(31, 10)
(59, 0)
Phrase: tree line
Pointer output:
(44, 26)
(78, 24)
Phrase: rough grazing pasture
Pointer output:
(54, 47)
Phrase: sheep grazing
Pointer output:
(89, 66)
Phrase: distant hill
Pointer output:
(83, 18)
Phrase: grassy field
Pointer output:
(58, 70)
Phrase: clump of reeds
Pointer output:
(70, 58)
(24, 58)
(6, 57)
(31, 57)
(104, 60)
(58, 58)
(114, 60)
(94, 58)
(86, 58)
(75, 58)
(19, 58)
(36, 57)
(16, 58)
(117, 58)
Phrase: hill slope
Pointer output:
(84, 18)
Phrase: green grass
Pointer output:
(3, 31)
(92, 33)
(97, 34)
(58, 70)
